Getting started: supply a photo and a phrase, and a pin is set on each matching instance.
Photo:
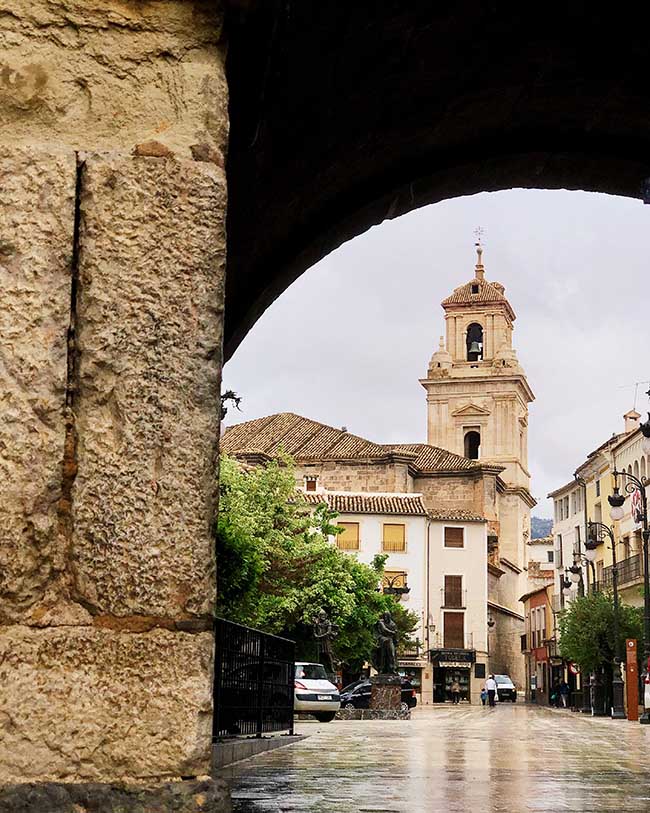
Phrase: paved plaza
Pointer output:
(512, 758)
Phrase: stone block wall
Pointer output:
(358, 476)
(451, 493)
(113, 127)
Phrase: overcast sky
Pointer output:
(347, 343)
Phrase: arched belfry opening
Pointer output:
(472, 444)
(474, 342)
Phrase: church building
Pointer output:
(477, 406)
(472, 474)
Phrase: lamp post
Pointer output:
(598, 531)
(566, 584)
(632, 484)
(583, 485)
(586, 558)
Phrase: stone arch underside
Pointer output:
(341, 118)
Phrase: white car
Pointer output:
(313, 692)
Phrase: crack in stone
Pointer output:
(69, 465)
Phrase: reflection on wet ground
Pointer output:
(512, 758)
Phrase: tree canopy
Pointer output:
(276, 568)
(587, 630)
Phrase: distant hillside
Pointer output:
(540, 527)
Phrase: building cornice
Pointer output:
(521, 492)
(480, 378)
(499, 608)
(515, 568)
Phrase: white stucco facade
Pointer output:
(442, 581)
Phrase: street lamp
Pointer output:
(566, 586)
(575, 572)
(597, 533)
(632, 484)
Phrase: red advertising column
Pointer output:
(632, 680)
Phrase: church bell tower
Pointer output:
(478, 396)
(477, 392)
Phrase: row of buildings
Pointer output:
(452, 514)
(582, 499)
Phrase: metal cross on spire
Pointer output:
(479, 232)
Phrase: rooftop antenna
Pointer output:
(636, 386)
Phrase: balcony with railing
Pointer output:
(410, 651)
(629, 569)
(453, 599)
(441, 641)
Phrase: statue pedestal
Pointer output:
(386, 692)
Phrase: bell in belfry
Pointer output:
(475, 347)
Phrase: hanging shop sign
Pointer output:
(637, 506)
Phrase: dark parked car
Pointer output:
(505, 688)
(357, 695)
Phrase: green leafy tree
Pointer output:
(587, 630)
(276, 568)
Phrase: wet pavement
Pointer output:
(512, 758)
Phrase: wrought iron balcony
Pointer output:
(629, 570)
(453, 599)
(439, 641)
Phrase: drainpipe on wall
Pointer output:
(428, 587)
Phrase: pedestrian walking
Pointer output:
(484, 695)
(564, 693)
(491, 688)
(455, 692)
(555, 694)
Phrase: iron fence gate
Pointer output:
(253, 681)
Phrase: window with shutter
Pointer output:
(454, 537)
(348, 539)
(454, 630)
(453, 591)
(394, 538)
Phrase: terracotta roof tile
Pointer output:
(488, 292)
(369, 503)
(432, 458)
(305, 439)
(455, 515)
(380, 503)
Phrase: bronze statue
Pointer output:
(385, 655)
(325, 632)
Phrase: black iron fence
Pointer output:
(253, 681)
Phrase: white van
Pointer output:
(313, 692)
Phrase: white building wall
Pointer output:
(470, 562)
(411, 562)
(629, 456)
(568, 529)
(425, 544)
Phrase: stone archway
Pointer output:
(341, 118)
(113, 129)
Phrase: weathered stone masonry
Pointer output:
(113, 126)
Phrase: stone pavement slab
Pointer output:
(509, 759)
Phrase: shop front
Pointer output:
(414, 670)
(450, 665)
